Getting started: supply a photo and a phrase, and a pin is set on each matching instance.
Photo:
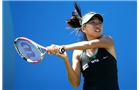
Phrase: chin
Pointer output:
(98, 35)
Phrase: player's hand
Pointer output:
(51, 49)
(62, 55)
(55, 49)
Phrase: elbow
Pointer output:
(75, 85)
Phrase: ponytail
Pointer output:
(74, 21)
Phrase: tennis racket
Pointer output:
(30, 51)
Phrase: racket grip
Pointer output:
(62, 50)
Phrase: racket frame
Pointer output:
(39, 47)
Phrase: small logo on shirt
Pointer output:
(105, 57)
(95, 60)
(85, 66)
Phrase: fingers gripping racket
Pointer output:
(30, 50)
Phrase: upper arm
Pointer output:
(76, 62)
(103, 42)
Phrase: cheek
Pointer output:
(91, 27)
(102, 28)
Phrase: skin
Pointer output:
(93, 30)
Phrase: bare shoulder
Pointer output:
(111, 50)
(107, 37)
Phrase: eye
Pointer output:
(92, 23)
(95, 23)
(100, 23)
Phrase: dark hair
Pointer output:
(74, 22)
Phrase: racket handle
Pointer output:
(62, 50)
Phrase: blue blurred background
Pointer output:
(44, 22)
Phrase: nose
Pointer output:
(97, 26)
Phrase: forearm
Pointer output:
(78, 46)
(73, 78)
(104, 42)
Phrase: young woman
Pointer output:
(94, 57)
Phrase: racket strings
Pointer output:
(28, 51)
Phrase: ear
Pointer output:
(83, 28)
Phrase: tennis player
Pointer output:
(94, 56)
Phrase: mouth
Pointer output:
(97, 30)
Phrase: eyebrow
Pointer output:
(95, 21)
